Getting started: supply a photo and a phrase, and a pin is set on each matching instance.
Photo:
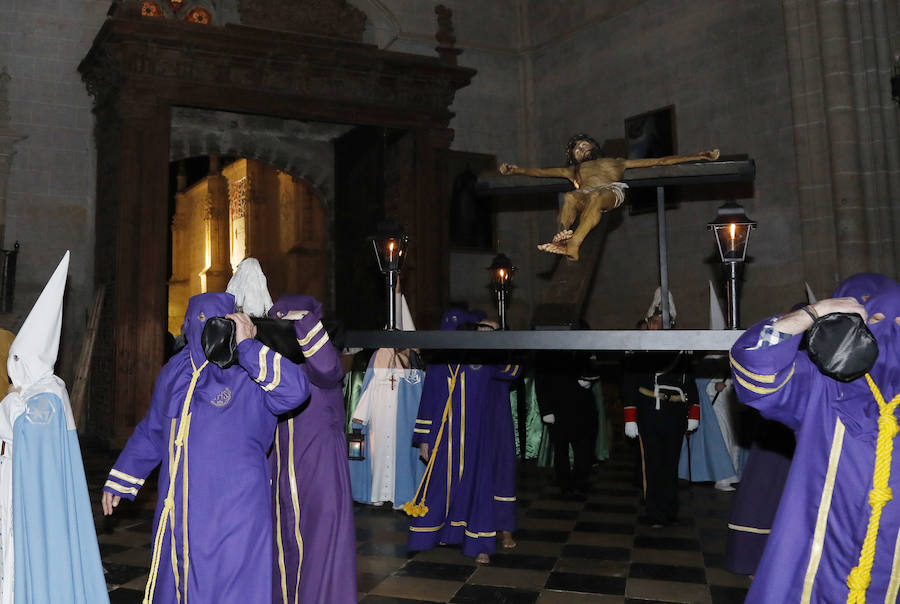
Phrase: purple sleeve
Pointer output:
(145, 448)
(431, 406)
(323, 365)
(284, 385)
(774, 379)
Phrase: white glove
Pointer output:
(549, 418)
(693, 424)
(631, 430)
(584, 383)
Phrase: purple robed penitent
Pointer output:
(213, 465)
(315, 541)
(457, 418)
(824, 512)
(504, 456)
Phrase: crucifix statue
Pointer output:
(597, 187)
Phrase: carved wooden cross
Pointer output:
(392, 382)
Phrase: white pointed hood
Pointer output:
(716, 316)
(33, 352)
(404, 317)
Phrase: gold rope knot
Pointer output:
(858, 580)
(879, 496)
(888, 423)
(168, 503)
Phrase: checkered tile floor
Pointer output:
(592, 548)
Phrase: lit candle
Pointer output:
(732, 229)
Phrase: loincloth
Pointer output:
(618, 189)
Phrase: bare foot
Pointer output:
(483, 559)
(555, 248)
(563, 236)
(507, 540)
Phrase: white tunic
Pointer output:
(378, 408)
(11, 408)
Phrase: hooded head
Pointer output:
(33, 352)
(289, 302)
(453, 318)
(200, 308)
(250, 288)
(862, 286)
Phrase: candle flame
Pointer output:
(502, 274)
(733, 227)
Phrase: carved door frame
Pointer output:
(139, 68)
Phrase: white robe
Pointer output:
(378, 408)
(11, 408)
(726, 411)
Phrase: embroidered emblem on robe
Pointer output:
(221, 399)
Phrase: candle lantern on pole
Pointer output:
(732, 230)
(502, 271)
(389, 245)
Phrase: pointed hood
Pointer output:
(810, 296)
(716, 316)
(33, 352)
(404, 317)
(200, 308)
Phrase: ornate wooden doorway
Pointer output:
(140, 67)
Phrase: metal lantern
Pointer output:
(390, 252)
(355, 442)
(502, 271)
(732, 231)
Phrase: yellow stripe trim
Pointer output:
(765, 379)
(422, 431)
(815, 554)
(173, 551)
(312, 333)
(185, 550)
(124, 476)
(477, 535)
(499, 498)
(462, 427)
(426, 529)
(760, 390)
(749, 529)
(322, 341)
(276, 373)
(894, 586)
(278, 541)
(262, 363)
(423, 421)
(295, 502)
(120, 488)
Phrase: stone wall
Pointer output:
(545, 70)
(51, 190)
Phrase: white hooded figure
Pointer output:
(47, 534)
(250, 288)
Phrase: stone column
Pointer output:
(219, 270)
(845, 134)
(180, 282)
